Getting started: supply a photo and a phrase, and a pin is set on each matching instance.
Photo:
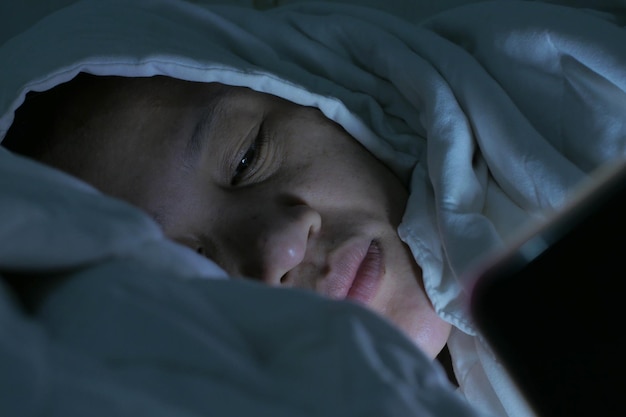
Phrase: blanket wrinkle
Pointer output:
(590, 92)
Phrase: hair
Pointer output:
(46, 117)
(55, 126)
(72, 127)
(52, 125)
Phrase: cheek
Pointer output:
(179, 203)
(413, 313)
(346, 176)
(406, 304)
(323, 156)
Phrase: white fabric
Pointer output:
(491, 112)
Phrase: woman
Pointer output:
(268, 189)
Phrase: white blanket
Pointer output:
(491, 113)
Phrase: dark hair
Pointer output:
(28, 135)
(46, 116)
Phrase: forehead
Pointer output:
(96, 94)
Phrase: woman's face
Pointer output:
(268, 189)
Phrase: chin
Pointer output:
(432, 340)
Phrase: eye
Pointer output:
(248, 164)
(245, 163)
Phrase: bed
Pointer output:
(484, 110)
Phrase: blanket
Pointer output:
(491, 113)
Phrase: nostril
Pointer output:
(313, 230)
(283, 279)
(200, 251)
(315, 226)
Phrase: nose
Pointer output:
(282, 238)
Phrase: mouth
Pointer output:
(356, 272)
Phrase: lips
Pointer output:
(368, 275)
(356, 272)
